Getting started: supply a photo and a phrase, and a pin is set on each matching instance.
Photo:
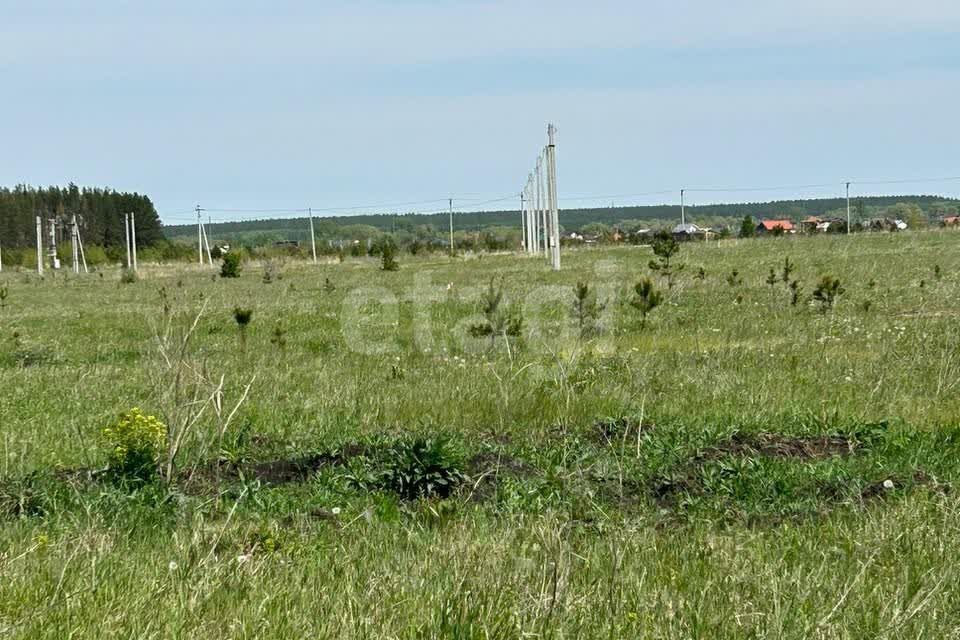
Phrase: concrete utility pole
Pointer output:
(452, 251)
(133, 239)
(683, 209)
(199, 237)
(848, 208)
(541, 209)
(552, 186)
(126, 239)
(313, 238)
(39, 246)
(206, 240)
(83, 258)
(74, 247)
(523, 217)
(54, 260)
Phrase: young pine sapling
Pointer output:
(586, 308)
(665, 246)
(499, 319)
(646, 298)
(243, 317)
(827, 292)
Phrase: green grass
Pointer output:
(659, 482)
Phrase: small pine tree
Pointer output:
(388, 256)
(748, 227)
(771, 278)
(646, 298)
(796, 292)
(788, 268)
(243, 317)
(586, 308)
(3, 297)
(734, 279)
(665, 246)
(827, 292)
(230, 267)
(499, 319)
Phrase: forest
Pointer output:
(100, 215)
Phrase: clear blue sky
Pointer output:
(332, 104)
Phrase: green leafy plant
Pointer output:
(230, 266)
(937, 273)
(135, 443)
(701, 274)
(328, 286)
(586, 308)
(3, 297)
(665, 247)
(646, 298)
(499, 319)
(827, 292)
(734, 279)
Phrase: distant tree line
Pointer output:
(628, 218)
(99, 215)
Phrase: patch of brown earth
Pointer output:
(775, 445)
(487, 468)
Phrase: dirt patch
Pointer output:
(775, 445)
(686, 479)
(488, 468)
(891, 486)
(611, 429)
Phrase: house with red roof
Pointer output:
(775, 226)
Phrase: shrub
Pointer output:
(646, 298)
(734, 279)
(128, 276)
(230, 267)
(136, 443)
(827, 292)
(748, 227)
(272, 270)
(4, 292)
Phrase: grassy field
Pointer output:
(740, 467)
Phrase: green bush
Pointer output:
(231, 267)
(135, 442)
